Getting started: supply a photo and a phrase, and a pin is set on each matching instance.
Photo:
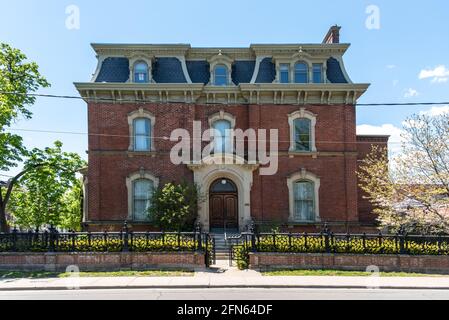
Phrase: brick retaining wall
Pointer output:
(356, 262)
(100, 261)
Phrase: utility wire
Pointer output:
(206, 103)
(168, 138)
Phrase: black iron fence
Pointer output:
(329, 242)
(124, 241)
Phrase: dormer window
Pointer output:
(221, 75)
(317, 73)
(284, 73)
(301, 73)
(141, 72)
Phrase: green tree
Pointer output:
(411, 192)
(48, 194)
(72, 214)
(18, 78)
(174, 207)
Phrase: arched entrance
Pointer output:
(223, 204)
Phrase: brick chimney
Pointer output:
(333, 35)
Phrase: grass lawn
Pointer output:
(340, 273)
(128, 273)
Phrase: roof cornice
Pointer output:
(326, 94)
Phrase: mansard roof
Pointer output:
(179, 72)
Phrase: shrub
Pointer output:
(175, 206)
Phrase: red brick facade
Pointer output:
(340, 200)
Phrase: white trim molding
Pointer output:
(302, 113)
(220, 59)
(141, 174)
(136, 57)
(222, 115)
(242, 176)
(137, 114)
(303, 175)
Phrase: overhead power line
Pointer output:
(168, 138)
(206, 103)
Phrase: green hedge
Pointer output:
(167, 242)
(316, 244)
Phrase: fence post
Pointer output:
(401, 244)
(252, 229)
(290, 241)
(199, 234)
(364, 242)
(14, 239)
(125, 237)
(326, 233)
(73, 241)
(51, 247)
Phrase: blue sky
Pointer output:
(411, 41)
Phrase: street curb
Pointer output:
(225, 287)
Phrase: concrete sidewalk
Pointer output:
(226, 278)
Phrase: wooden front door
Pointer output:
(223, 206)
(223, 209)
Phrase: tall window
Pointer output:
(317, 73)
(221, 75)
(301, 73)
(142, 134)
(302, 134)
(141, 72)
(142, 192)
(304, 196)
(285, 73)
(222, 142)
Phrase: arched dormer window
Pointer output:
(221, 68)
(304, 197)
(221, 75)
(141, 128)
(141, 72)
(141, 186)
(301, 72)
(302, 131)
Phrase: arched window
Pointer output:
(304, 201)
(302, 131)
(142, 193)
(141, 72)
(302, 134)
(222, 136)
(301, 73)
(223, 186)
(221, 75)
(142, 134)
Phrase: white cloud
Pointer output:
(439, 74)
(394, 143)
(436, 111)
(391, 66)
(411, 93)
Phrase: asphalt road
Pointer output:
(227, 294)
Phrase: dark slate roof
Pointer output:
(168, 70)
(334, 72)
(267, 71)
(114, 69)
(242, 71)
(199, 71)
